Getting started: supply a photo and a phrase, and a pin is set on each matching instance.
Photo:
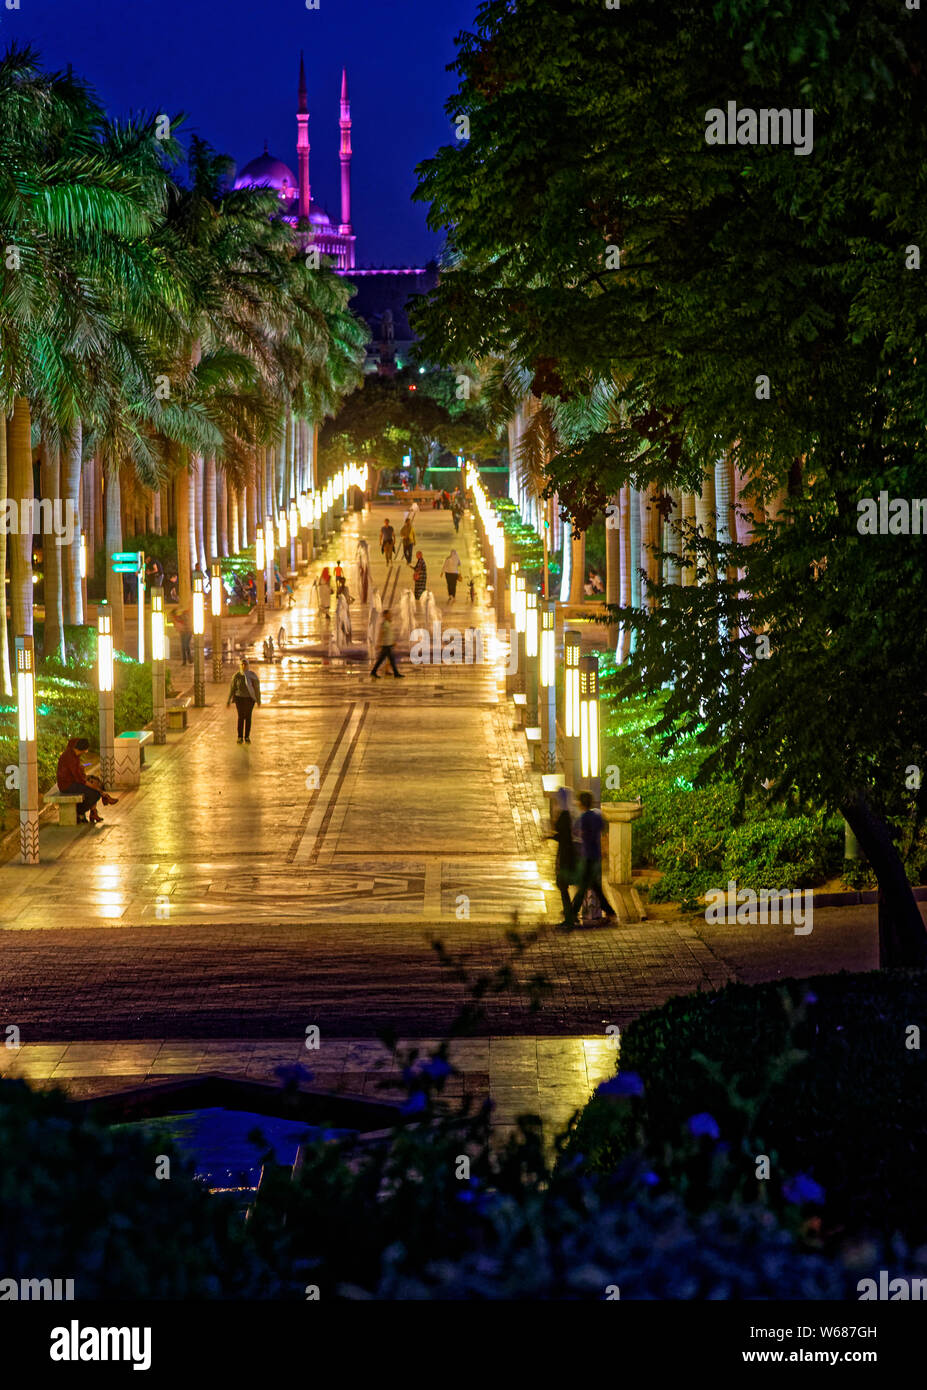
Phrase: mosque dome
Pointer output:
(268, 172)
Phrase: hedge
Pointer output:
(824, 1076)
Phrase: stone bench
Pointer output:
(177, 713)
(67, 803)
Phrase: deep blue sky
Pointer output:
(233, 68)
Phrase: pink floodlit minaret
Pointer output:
(345, 156)
(302, 143)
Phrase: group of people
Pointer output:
(579, 856)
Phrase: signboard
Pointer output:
(129, 562)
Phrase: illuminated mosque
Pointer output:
(382, 291)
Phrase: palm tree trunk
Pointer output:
(281, 476)
(210, 509)
(22, 489)
(87, 486)
(706, 516)
(235, 541)
(671, 540)
(613, 549)
(191, 513)
(624, 567)
(113, 514)
(5, 680)
(203, 557)
(70, 554)
(50, 489)
(222, 511)
(688, 555)
(578, 565)
(184, 554)
(99, 526)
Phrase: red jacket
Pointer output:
(70, 767)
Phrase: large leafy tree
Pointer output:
(740, 297)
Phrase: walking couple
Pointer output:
(579, 863)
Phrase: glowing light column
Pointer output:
(270, 540)
(158, 699)
(571, 659)
(531, 658)
(199, 631)
(83, 575)
(547, 681)
(105, 686)
(589, 726)
(260, 561)
(28, 762)
(215, 595)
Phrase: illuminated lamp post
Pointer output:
(158, 699)
(270, 540)
(316, 501)
(105, 686)
(28, 761)
(531, 657)
(589, 737)
(83, 575)
(547, 680)
(140, 590)
(215, 595)
(260, 560)
(199, 630)
(571, 659)
(515, 680)
(498, 577)
(294, 531)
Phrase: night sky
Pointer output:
(233, 68)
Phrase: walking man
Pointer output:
(182, 626)
(407, 536)
(245, 690)
(591, 825)
(386, 638)
(387, 542)
(567, 859)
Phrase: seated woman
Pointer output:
(72, 780)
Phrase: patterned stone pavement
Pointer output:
(244, 893)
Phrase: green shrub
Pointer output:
(818, 1074)
(699, 837)
(783, 851)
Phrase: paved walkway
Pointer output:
(246, 892)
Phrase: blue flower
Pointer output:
(649, 1179)
(810, 998)
(627, 1083)
(801, 1189)
(415, 1104)
(704, 1123)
